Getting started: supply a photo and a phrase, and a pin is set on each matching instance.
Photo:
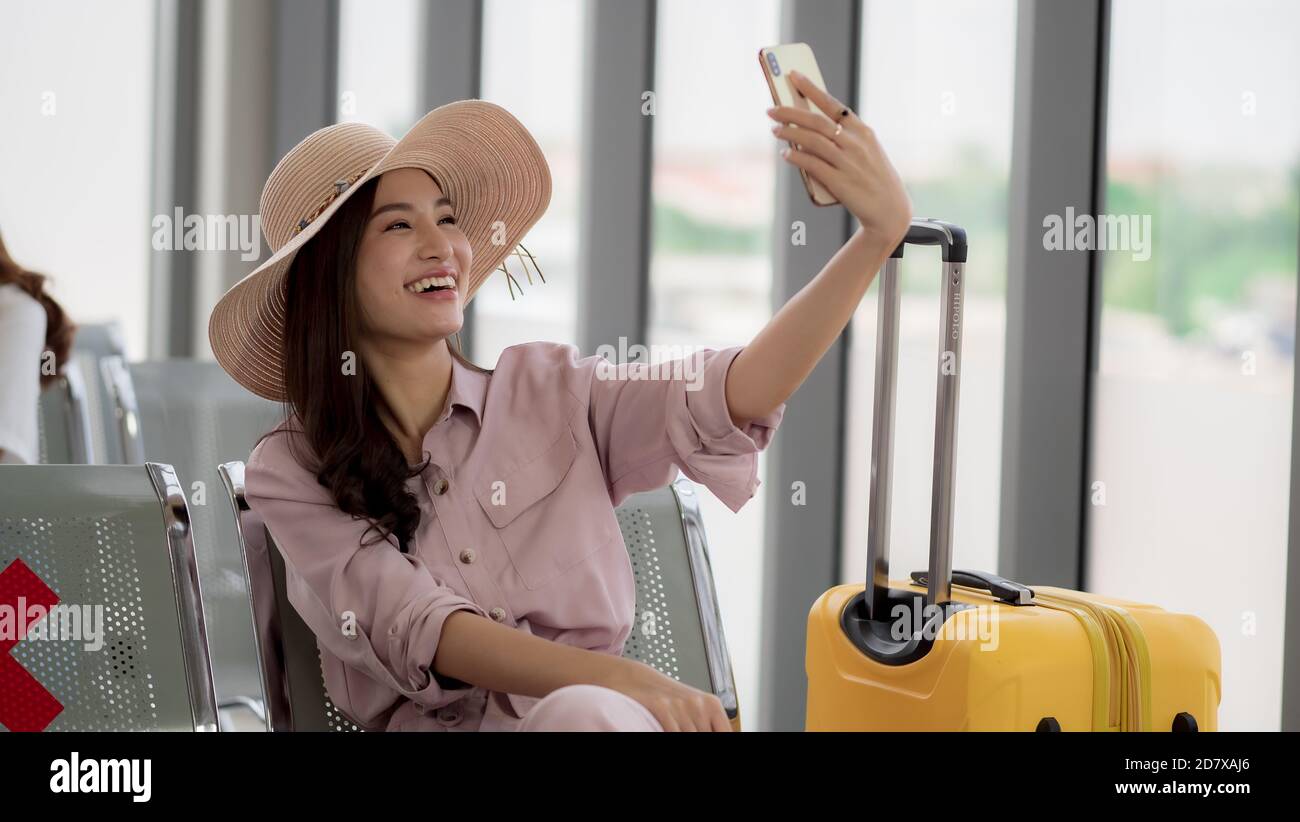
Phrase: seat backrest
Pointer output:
(107, 548)
(91, 345)
(63, 421)
(677, 627)
(193, 415)
(290, 660)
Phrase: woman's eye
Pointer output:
(405, 224)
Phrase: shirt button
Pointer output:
(467, 556)
(440, 487)
(498, 613)
(449, 717)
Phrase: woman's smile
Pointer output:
(438, 284)
(437, 294)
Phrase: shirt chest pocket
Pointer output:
(550, 512)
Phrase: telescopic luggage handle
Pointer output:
(952, 242)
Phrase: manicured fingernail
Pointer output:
(771, 111)
(776, 129)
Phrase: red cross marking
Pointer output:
(25, 705)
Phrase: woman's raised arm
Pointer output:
(854, 167)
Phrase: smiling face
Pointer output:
(412, 263)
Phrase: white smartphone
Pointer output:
(776, 62)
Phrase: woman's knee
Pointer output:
(588, 708)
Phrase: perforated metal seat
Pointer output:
(677, 627)
(116, 539)
(63, 422)
(74, 411)
(193, 415)
(90, 347)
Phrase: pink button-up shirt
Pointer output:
(517, 522)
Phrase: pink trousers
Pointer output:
(579, 708)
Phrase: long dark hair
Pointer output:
(59, 330)
(353, 454)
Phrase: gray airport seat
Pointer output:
(72, 410)
(117, 538)
(63, 420)
(90, 347)
(677, 627)
(192, 414)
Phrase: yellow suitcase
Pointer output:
(995, 655)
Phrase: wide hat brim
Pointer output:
(487, 163)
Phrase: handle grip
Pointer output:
(1012, 593)
(926, 231)
(952, 241)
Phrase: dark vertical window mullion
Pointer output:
(1291, 621)
(450, 51)
(1045, 414)
(854, 96)
(1096, 275)
(174, 173)
(802, 542)
(617, 157)
(306, 71)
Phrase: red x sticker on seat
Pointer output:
(25, 705)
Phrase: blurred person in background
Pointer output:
(35, 339)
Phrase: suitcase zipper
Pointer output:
(1107, 699)
(1130, 651)
(1121, 658)
(1106, 702)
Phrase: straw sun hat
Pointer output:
(485, 161)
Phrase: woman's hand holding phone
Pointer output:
(840, 161)
(852, 165)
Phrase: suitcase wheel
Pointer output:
(1184, 723)
(1048, 724)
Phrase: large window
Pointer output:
(75, 158)
(710, 267)
(937, 86)
(519, 36)
(378, 73)
(1191, 417)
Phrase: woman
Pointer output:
(35, 338)
(449, 533)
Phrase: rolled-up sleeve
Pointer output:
(651, 419)
(376, 609)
